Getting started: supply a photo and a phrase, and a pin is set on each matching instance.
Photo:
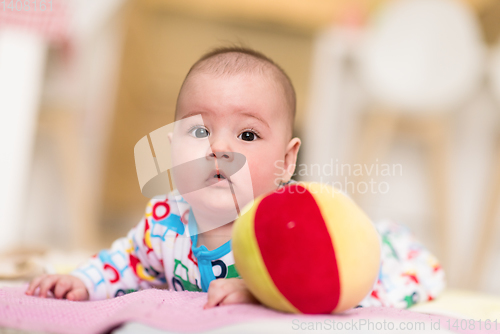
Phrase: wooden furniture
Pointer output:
(487, 226)
(404, 63)
(378, 135)
(64, 130)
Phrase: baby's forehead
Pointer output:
(264, 76)
(241, 64)
(238, 94)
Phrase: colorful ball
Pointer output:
(306, 248)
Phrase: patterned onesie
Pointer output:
(162, 249)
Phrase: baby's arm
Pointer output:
(131, 263)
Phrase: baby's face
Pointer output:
(242, 113)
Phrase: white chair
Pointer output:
(419, 60)
(486, 238)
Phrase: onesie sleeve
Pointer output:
(409, 272)
(133, 262)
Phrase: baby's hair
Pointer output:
(234, 60)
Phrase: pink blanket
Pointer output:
(175, 311)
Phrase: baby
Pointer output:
(237, 101)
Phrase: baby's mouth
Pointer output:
(219, 175)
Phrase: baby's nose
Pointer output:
(219, 149)
(229, 156)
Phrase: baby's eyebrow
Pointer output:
(256, 117)
(247, 114)
(193, 113)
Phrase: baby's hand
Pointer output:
(229, 291)
(62, 286)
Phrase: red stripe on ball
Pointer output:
(297, 249)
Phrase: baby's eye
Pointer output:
(248, 136)
(199, 132)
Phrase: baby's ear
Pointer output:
(291, 152)
(169, 135)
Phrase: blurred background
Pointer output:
(407, 89)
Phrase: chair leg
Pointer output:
(437, 134)
(486, 236)
(377, 138)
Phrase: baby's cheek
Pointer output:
(265, 176)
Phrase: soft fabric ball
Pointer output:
(306, 248)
